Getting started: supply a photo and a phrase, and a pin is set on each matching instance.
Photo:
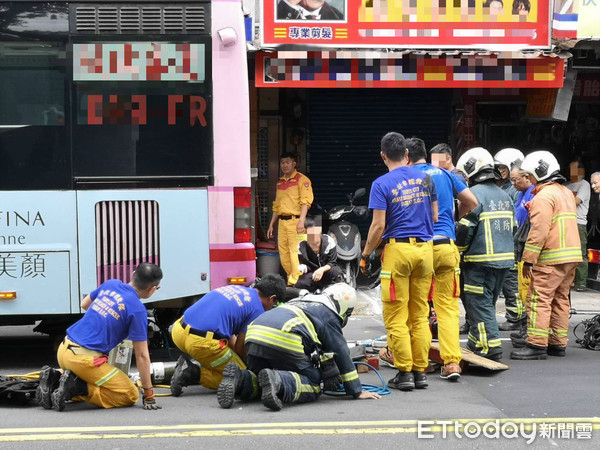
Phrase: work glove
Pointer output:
(149, 401)
(366, 265)
(332, 380)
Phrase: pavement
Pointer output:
(534, 404)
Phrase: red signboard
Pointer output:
(344, 69)
(490, 24)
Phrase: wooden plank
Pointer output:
(468, 357)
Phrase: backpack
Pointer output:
(15, 391)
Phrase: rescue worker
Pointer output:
(441, 156)
(294, 347)
(485, 236)
(212, 331)
(114, 311)
(404, 205)
(292, 202)
(318, 257)
(552, 253)
(504, 161)
(446, 259)
(522, 184)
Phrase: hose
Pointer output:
(381, 390)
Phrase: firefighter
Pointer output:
(212, 330)
(446, 259)
(505, 160)
(294, 347)
(404, 205)
(552, 253)
(114, 311)
(292, 202)
(485, 236)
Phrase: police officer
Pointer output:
(551, 256)
(212, 330)
(114, 311)
(285, 346)
(485, 236)
(292, 202)
(446, 259)
(504, 161)
(404, 205)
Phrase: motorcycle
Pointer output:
(347, 236)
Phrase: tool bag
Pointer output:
(15, 391)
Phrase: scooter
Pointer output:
(347, 236)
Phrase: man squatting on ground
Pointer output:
(113, 312)
(291, 348)
(212, 331)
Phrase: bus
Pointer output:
(124, 138)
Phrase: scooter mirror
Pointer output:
(360, 192)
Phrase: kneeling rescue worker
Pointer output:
(212, 330)
(113, 312)
(291, 348)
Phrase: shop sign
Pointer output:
(490, 24)
(344, 69)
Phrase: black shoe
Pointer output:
(493, 356)
(556, 350)
(70, 386)
(581, 288)
(270, 384)
(420, 380)
(405, 381)
(530, 352)
(49, 382)
(518, 342)
(509, 326)
(230, 385)
(186, 373)
(464, 329)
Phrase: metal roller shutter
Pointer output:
(346, 126)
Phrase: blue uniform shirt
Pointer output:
(447, 187)
(405, 194)
(459, 176)
(227, 310)
(115, 313)
(523, 198)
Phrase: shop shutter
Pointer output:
(346, 126)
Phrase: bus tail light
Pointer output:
(594, 256)
(237, 280)
(8, 295)
(242, 203)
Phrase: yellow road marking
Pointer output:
(254, 429)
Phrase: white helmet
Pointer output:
(339, 297)
(508, 157)
(474, 161)
(541, 164)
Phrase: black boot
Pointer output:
(420, 380)
(518, 337)
(464, 329)
(49, 382)
(530, 352)
(186, 373)
(270, 383)
(509, 326)
(405, 381)
(70, 386)
(556, 350)
(230, 386)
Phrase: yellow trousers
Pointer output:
(212, 354)
(406, 273)
(446, 290)
(522, 292)
(287, 240)
(108, 387)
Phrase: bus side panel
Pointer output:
(38, 252)
(181, 226)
